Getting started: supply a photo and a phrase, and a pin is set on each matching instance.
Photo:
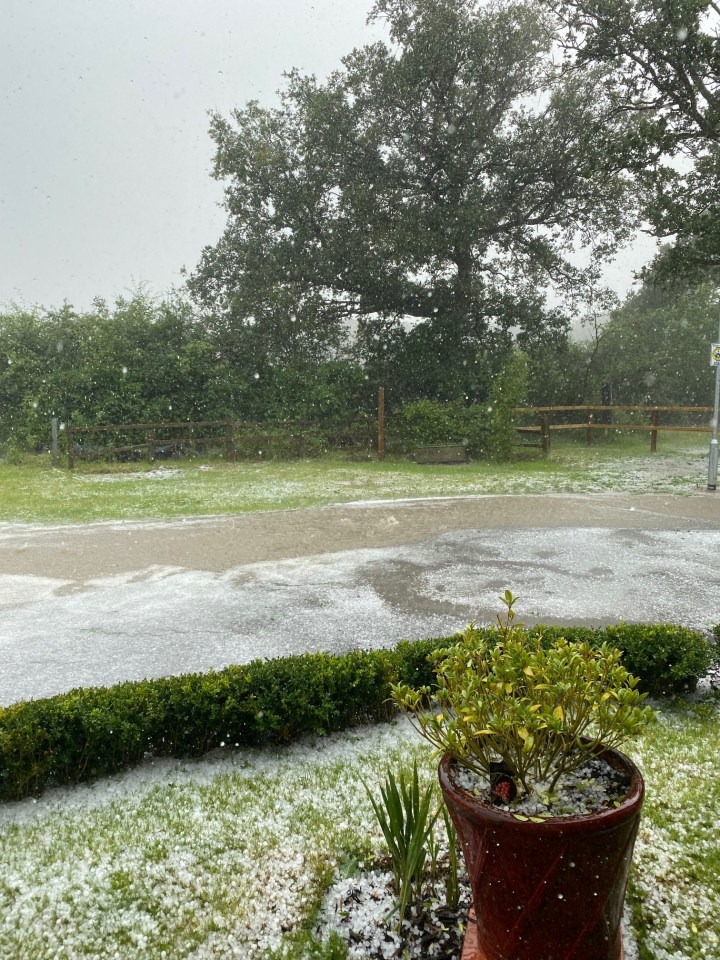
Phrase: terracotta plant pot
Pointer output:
(552, 890)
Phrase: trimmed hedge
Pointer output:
(93, 732)
(667, 659)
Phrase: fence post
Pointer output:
(229, 441)
(381, 424)
(71, 447)
(55, 441)
(607, 402)
(589, 437)
(653, 432)
(545, 433)
(150, 436)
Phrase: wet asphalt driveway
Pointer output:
(99, 603)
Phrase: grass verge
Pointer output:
(230, 856)
(35, 492)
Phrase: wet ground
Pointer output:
(97, 603)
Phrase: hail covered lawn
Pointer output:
(231, 856)
(227, 857)
(675, 891)
(36, 493)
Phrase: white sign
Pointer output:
(715, 354)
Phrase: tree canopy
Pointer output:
(663, 62)
(442, 177)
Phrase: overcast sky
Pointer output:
(104, 150)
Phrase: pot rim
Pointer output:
(474, 807)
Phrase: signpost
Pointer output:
(713, 465)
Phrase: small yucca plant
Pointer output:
(406, 819)
(539, 711)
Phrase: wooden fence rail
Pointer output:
(608, 422)
(228, 435)
(368, 432)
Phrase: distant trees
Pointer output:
(443, 178)
(656, 348)
(509, 390)
(403, 222)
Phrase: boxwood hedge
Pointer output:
(89, 733)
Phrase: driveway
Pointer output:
(98, 603)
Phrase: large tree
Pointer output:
(443, 176)
(663, 63)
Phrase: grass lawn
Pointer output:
(231, 856)
(35, 492)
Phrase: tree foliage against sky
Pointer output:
(663, 62)
(433, 191)
(444, 176)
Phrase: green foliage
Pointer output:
(559, 375)
(670, 658)
(415, 659)
(302, 945)
(508, 390)
(452, 884)
(425, 422)
(405, 164)
(144, 361)
(290, 389)
(278, 442)
(406, 821)
(13, 452)
(540, 709)
(655, 349)
(139, 361)
(660, 60)
(92, 732)
(666, 658)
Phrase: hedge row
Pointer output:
(92, 732)
(667, 659)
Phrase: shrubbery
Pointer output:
(89, 733)
(147, 361)
(278, 442)
(508, 390)
(666, 658)
(430, 422)
(486, 430)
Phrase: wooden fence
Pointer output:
(231, 438)
(607, 421)
(252, 439)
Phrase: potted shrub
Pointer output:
(546, 808)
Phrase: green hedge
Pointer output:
(667, 659)
(92, 732)
(427, 422)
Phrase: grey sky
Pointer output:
(104, 150)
